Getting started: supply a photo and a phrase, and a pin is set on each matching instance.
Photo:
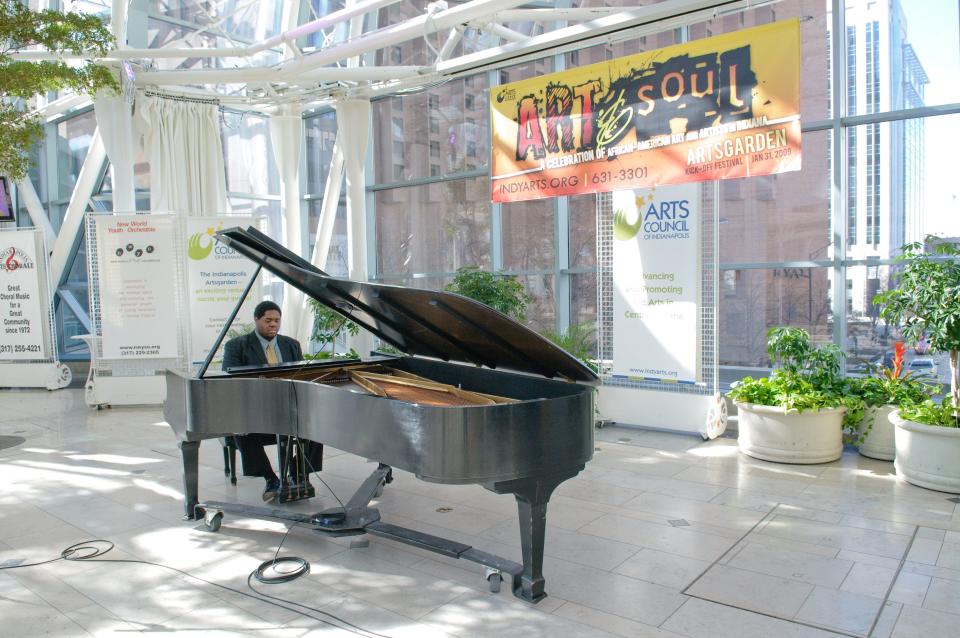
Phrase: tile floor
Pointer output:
(662, 535)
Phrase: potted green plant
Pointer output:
(882, 393)
(925, 304)
(798, 413)
(328, 326)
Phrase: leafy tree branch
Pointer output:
(20, 80)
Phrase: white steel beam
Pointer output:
(455, 34)
(555, 15)
(60, 106)
(35, 209)
(506, 33)
(73, 217)
(322, 74)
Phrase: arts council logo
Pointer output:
(623, 230)
(658, 219)
(200, 245)
(14, 258)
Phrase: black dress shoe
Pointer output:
(270, 491)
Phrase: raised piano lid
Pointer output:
(429, 323)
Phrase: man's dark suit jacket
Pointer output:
(247, 351)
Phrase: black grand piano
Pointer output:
(474, 398)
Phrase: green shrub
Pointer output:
(806, 378)
(925, 304)
(500, 292)
(578, 340)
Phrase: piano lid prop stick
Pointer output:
(227, 324)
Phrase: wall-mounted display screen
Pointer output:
(6, 202)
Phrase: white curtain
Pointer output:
(115, 120)
(181, 141)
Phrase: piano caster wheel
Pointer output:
(212, 520)
(494, 578)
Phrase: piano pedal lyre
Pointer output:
(294, 474)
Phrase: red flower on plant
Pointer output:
(899, 349)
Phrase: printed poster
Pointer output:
(23, 307)
(656, 284)
(216, 277)
(137, 269)
(717, 108)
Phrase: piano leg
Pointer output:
(533, 526)
(532, 497)
(190, 451)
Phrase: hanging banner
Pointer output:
(23, 308)
(717, 108)
(137, 274)
(656, 284)
(216, 277)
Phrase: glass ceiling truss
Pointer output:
(263, 54)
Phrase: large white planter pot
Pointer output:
(771, 434)
(879, 443)
(927, 455)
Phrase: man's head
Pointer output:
(266, 317)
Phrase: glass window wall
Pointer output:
(432, 228)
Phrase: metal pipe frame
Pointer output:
(329, 20)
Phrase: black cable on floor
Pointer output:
(90, 550)
(71, 553)
(281, 576)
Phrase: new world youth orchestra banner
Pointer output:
(718, 108)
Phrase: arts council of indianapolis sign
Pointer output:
(717, 108)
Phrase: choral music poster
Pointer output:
(22, 311)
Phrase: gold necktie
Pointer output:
(271, 355)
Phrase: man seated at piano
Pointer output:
(265, 346)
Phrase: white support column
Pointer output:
(286, 133)
(331, 195)
(35, 209)
(118, 22)
(328, 216)
(73, 217)
(353, 128)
